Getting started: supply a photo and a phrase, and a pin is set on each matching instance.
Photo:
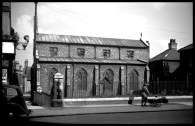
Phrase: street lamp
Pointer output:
(24, 44)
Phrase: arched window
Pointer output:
(108, 79)
(134, 80)
(82, 79)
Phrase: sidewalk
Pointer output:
(39, 111)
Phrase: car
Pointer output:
(12, 101)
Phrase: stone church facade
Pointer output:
(92, 66)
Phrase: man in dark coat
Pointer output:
(144, 95)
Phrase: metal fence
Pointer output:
(155, 88)
(170, 87)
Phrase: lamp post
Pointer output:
(58, 81)
(34, 79)
(24, 44)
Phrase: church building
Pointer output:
(91, 66)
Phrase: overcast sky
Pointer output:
(158, 22)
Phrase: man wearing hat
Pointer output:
(144, 93)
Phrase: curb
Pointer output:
(71, 114)
(78, 111)
(87, 113)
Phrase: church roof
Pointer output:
(81, 60)
(71, 39)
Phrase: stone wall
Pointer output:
(71, 50)
(121, 78)
(43, 49)
(94, 71)
(89, 51)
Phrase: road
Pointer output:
(161, 117)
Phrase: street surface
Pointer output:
(160, 117)
(171, 113)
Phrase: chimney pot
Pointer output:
(172, 44)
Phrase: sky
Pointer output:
(157, 21)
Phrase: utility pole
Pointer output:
(34, 82)
(35, 31)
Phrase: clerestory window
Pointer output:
(130, 54)
(53, 51)
(80, 52)
(106, 53)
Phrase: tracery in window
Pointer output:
(106, 53)
(133, 80)
(130, 54)
(82, 79)
(53, 51)
(81, 52)
(108, 77)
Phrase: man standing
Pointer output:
(144, 93)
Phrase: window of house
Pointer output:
(130, 54)
(11, 92)
(166, 67)
(106, 53)
(53, 51)
(81, 52)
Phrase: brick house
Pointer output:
(169, 68)
(92, 66)
(186, 66)
(163, 65)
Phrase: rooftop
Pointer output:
(169, 54)
(71, 39)
(81, 60)
(186, 47)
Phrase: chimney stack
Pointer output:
(172, 44)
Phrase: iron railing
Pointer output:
(170, 87)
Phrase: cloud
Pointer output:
(91, 19)
(158, 5)
(158, 46)
(24, 26)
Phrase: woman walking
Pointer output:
(144, 93)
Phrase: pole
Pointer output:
(35, 30)
(34, 82)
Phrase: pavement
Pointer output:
(40, 111)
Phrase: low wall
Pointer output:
(42, 99)
(137, 100)
(96, 101)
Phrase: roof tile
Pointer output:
(169, 54)
(89, 40)
(190, 46)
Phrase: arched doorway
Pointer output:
(108, 79)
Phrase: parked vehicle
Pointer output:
(12, 101)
